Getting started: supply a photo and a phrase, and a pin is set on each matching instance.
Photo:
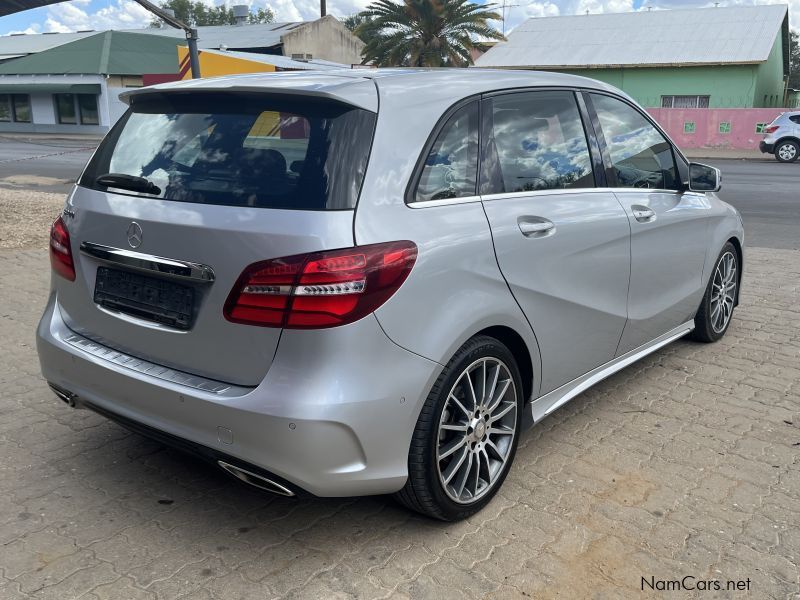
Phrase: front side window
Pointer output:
(640, 156)
(534, 141)
(240, 150)
(450, 169)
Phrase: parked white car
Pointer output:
(782, 137)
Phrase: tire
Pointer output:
(465, 439)
(787, 151)
(709, 324)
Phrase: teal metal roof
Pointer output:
(104, 53)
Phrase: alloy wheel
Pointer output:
(476, 430)
(787, 152)
(723, 292)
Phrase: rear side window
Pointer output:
(795, 119)
(240, 150)
(534, 141)
(451, 166)
(640, 156)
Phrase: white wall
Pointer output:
(116, 107)
(43, 111)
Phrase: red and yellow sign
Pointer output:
(214, 64)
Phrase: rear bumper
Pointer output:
(333, 416)
(766, 148)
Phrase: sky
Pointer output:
(76, 15)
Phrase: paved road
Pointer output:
(766, 192)
(684, 464)
(43, 165)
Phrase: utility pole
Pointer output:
(323, 8)
(191, 32)
(504, 14)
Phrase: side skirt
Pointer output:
(551, 401)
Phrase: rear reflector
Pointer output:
(322, 289)
(60, 251)
(771, 129)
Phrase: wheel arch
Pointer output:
(737, 244)
(519, 349)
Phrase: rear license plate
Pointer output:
(149, 298)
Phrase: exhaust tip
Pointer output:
(65, 396)
(255, 480)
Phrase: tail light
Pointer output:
(771, 129)
(322, 289)
(60, 251)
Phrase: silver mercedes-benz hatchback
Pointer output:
(369, 282)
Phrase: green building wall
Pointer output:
(728, 86)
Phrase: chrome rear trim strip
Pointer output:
(147, 262)
(153, 370)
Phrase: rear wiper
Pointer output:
(128, 182)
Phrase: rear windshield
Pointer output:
(239, 150)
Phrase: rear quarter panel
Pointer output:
(455, 288)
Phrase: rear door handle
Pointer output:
(643, 214)
(535, 226)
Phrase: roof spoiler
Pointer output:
(355, 91)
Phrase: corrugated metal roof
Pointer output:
(741, 34)
(106, 53)
(260, 35)
(36, 42)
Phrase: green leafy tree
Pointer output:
(197, 13)
(794, 60)
(361, 25)
(425, 33)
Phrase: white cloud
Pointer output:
(77, 15)
(125, 14)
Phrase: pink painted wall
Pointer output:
(707, 126)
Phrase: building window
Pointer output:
(72, 108)
(22, 108)
(5, 108)
(87, 107)
(15, 107)
(685, 101)
(760, 127)
(725, 127)
(689, 127)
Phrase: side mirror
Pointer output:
(703, 178)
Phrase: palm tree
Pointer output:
(424, 33)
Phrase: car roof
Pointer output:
(358, 86)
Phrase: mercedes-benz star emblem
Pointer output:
(134, 235)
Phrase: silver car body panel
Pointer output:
(332, 411)
(225, 239)
(579, 270)
(667, 259)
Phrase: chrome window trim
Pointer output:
(550, 192)
(168, 267)
(443, 202)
